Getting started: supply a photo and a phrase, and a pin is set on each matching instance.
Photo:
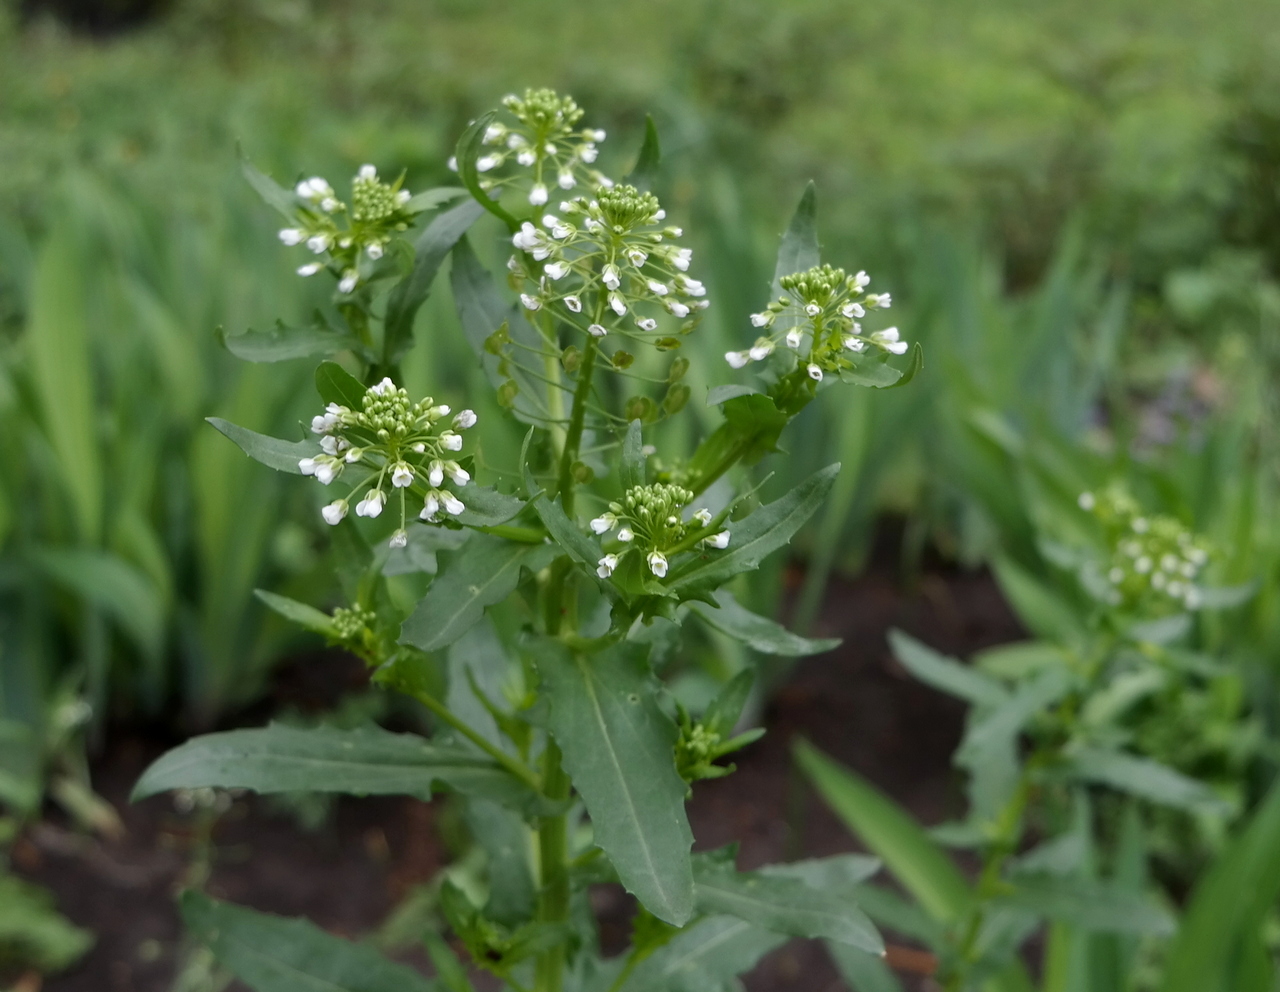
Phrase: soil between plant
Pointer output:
(855, 703)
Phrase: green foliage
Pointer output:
(32, 933)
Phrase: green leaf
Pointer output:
(645, 172)
(1090, 905)
(484, 572)
(631, 470)
(273, 194)
(124, 592)
(890, 833)
(285, 343)
(505, 840)
(466, 153)
(724, 712)
(946, 674)
(1226, 911)
(1143, 778)
(33, 932)
(757, 422)
(751, 539)
(799, 249)
(706, 957)
(782, 904)
(367, 761)
(838, 872)
(722, 394)
(450, 971)
(579, 545)
(618, 748)
(336, 385)
(758, 632)
(486, 507)
(272, 954)
(1042, 611)
(429, 251)
(429, 199)
(307, 617)
(283, 456)
(861, 971)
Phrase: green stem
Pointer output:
(553, 852)
(577, 418)
(517, 768)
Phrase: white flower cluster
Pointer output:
(378, 211)
(605, 255)
(1153, 558)
(819, 320)
(544, 139)
(399, 444)
(649, 521)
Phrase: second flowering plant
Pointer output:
(545, 607)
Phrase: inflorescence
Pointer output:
(819, 319)
(1152, 558)
(612, 245)
(545, 139)
(378, 212)
(649, 519)
(400, 445)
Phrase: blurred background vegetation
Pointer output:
(1075, 205)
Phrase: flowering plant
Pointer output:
(543, 615)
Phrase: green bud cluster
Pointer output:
(820, 284)
(1154, 560)
(373, 201)
(649, 519)
(350, 623)
(545, 111)
(624, 207)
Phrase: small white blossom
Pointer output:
(888, 339)
(573, 303)
(458, 474)
(435, 473)
(760, 351)
(384, 387)
(367, 172)
(452, 505)
(616, 304)
(467, 418)
(719, 541)
(334, 512)
(530, 302)
(692, 287)
(307, 466)
(812, 309)
(1086, 501)
(597, 330)
(677, 309)
(761, 319)
(557, 270)
(854, 344)
(861, 280)
(399, 539)
(794, 337)
(625, 535)
(402, 475)
(430, 508)
(486, 162)
(736, 359)
(610, 276)
(606, 565)
(681, 258)
(604, 523)
(815, 373)
(372, 504)
(290, 236)
(637, 256)
(374, 251)
(646, 323)
(565, 180)
(703, 516)
(852, 310)
(657, 563)
(657, 288)
(310, 269)
(348, 281)
(452, 163)
(526, 157)
(538, 195)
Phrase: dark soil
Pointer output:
(855, 703)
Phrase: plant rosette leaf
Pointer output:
(757, 632)
(283, 456)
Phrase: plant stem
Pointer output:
(573, 438)
(516, 767)
(553, 852)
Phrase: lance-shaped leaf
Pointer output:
(302, 614)
(336, 385)
(429, 251)
(273, 194)
(273, 954)
(283, 456)
(782, 904)
(484, 572)
(754, 537)
(799, 248)
(707, 957)
(486, 507)
(722, 394)
(631, 468)
(645, 172)
(755, 631)
(618, 749)
(579, 545)
(467, 151)
(1089, 904)
(283, 343)
(944, 673)
(1143, 778)
(366, 761)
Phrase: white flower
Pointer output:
(513, 263)
(637, 256)
(693, 287)
(526, 157)
(616, 304)
(597, 330)
(458, 474)
(538, 195)
(763, 319)
(736, 359)
(486, 162)
(435, 473)
(375, 251)
(334, 512)
(626, 535)
(318, 243)
(657, 563)
(334, 445)
(854, 344)
(610, 276)
(680, 258)
(399, 539)
(760, 351)
(290, 236)
(557, 270)
(560, 230)
(719, 541)
(452, 163)
(815, 373)
(852, 310)
(657, 288)
(452, 505)
(403, 196)
(467, 418)
(384, 387)
(354, 455)
(677, 309)
(588, 153)
(372, 504)
(436, 412)
(367, 172)
(883, 301)
(603, 523)
(348, 281)
(450, 441)
(703, 517)
(530, 239)
(401, 475)
(813, 309)
(606, 565)
(307, 466)
(1086, 501)
(573, 303)
(494, 133)
(861, 280)
(430, 508)
(646, 323)
(794, 337)
(596, 135)
(530, 302)
(310, 269)
(888, 340)
(564, 179)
